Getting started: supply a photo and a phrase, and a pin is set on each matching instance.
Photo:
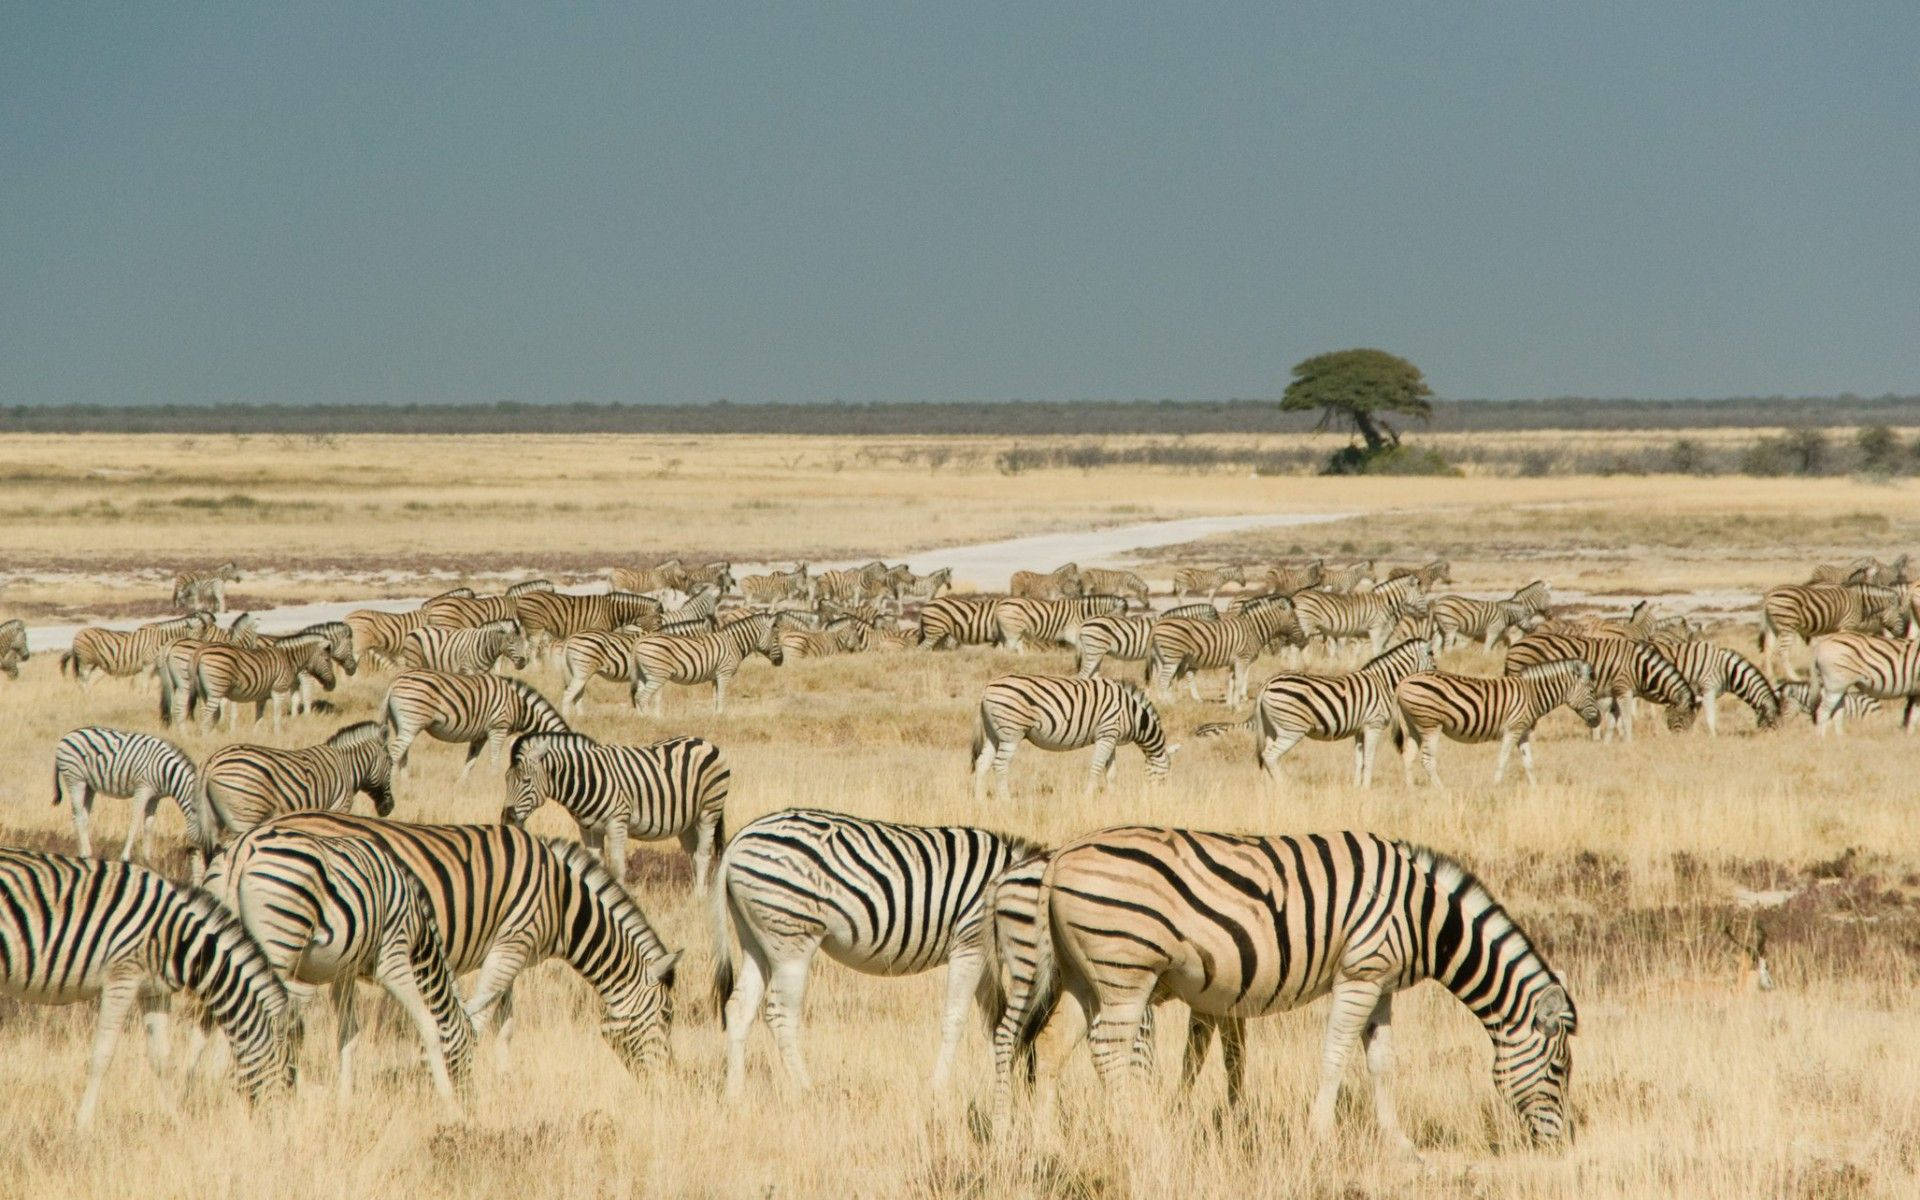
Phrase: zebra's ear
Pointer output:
(1553, 1012)
(659, 972)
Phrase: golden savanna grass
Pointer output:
(1626, 863)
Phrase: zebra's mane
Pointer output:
(1456, 885)
(518, 747)
(217, 923)
(1553, 668)
(356, 734)
(599, 882)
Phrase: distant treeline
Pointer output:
(1013, 417)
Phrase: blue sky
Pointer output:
(425, 202)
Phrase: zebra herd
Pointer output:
(288, 893)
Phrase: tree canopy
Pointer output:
(1356, 387)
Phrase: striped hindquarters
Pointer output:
(959, 621)
(1881, 667)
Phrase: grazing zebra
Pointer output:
(1185, 645)
(480, 710)
(97, 761)
(1622, 671)
(1056, 713)
(1329, 615)
(886, 638)
(959, 621)
(714, 657)
(1640, 625)
(1884, 668)
(1049, 622)
(1191, 581)
(194, 593)
(505, 900)
(123, 653)
(463, 611)
(777, 586)
(179, 665)
(842, 635)
(247, 785)
(659, 577)
(1458, 618)
(673, 788)
(925, 587)
(75, 929)
(13, 646)
(1061, 583)
(331, 911)
(476, 651)
(550, 618)
(1437, 571)
(1238, 927)
(1287, 578)
(882, 898)
(378, 635)
(1469, 708)
(1359, 705)
(1711, 670)
(1127, 638)
(1348, 577)
(225, 677)
(1803, 696)
(1807, 611)
(1098, 581)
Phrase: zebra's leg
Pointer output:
(146, 798)
(1199, 1041)
(154, 1013)
(719, 692)
(964, 973)
(1273, 750)
(982, 763)
(1114, 1033)
(117, 999)
(1233, 1055)
(1427, 745)
(743, 1007)
(1710, 701)
(786, 996)
(616, 853)
(1378, 1040)
(698, 842)
(1002, 760)
(79, 800)
(1101, 766)
(493, 987)
(395, 973)
(1354, 1002)
(347, 1014)
(1526, 756)
(1500, 759)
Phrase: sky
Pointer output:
(369, 202)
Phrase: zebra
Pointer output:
(1061, 583)
(97, 761)
(1437, 571)
(777, 586)
(378, 635)
(1099, 581)
(178, 667)
(959, 621)
(925, 587)
(505, 900)
(843, 635)
(457, 611)
(1470, 708)
(476, 651)
(1127, 638)
(1883, 668)
(1056, 713)
(1803, 696)
(1191, 581)
(1867, 569)
(1711, 670)
(672, 788)
(331, 911)
(247, 785)
(480, 710)
(1461, 617)
(194, 593)
(338, 636)
(1328, 615)
(589, 655)
(1640, 625)
(719, 573)
(1622, 671)
(1287, 578)
(1240, 926)
(671, 573)
(1182, 646)
(13, 646)
(880, 897)
(853, 585)
(1808, 610)
(1359, 705)
(76, 929)
(224, 677)
(121, 653)
(550, 618)
(701, 604)
(661, 659)
(1348, 577)
(1049, 622)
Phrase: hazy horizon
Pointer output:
(356, 204)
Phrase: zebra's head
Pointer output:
(639, 1024)
(766, 638)
(1533, 1063)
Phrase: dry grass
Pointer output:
(1625, 862)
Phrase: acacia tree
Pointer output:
(1357, 388)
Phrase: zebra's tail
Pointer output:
(69, 665)
(717, 913)
(1044, 995)
(1216, 728)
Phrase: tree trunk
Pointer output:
(1363, 421)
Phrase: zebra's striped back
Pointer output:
(660, 659)
(1127, 638)
(959, 621)
(115, 652)
(1285, 579)
(1061, 583)
(378, 635)
(1808, 611)
(1181, 645)
(228, 674)
(247, 785)
(557, 616)
(925, 587)
(1333, 614)
(776, 586)
(657, 578)
(1621, 668)
(1194, 581)
(1245, 926)
(1326, 707)
(1437, 571)
(1100, 581)
(71, 926)
(463, 708)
